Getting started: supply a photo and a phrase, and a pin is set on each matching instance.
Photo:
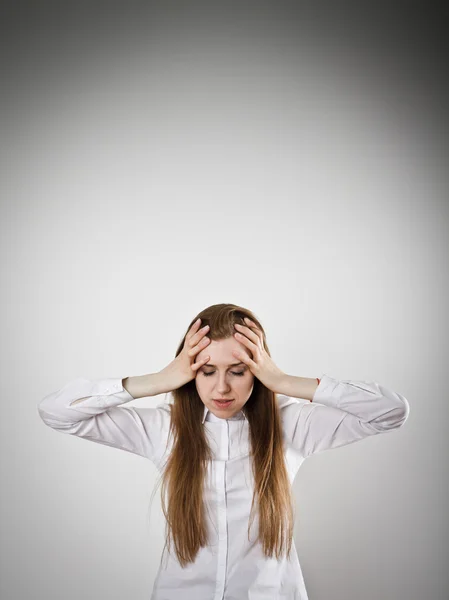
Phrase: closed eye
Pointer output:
(233, 373)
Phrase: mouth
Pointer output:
(223, 403)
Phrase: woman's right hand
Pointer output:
(184, 368)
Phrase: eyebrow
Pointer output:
(232, 365)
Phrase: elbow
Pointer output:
(404, 411)
(46, 412)
(45, 418)
(393, 418)
(41, 413)
(398, 416)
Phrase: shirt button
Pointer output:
(107, 390)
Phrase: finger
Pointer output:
(196, 324)
(193, 329)
(199, 335)
(197, 349)
(242, 328)
(196, 366)
(195, 334)
(249, 322)
(243, 339)
(253, 348)
(254, 326)
(245, 358)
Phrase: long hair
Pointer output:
(185, 470)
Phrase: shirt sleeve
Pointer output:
(99, 418)
(341, 413)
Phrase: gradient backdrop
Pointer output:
(290, 157)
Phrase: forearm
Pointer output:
(297, 387)
(144, 385)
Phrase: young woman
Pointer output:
(228, 445)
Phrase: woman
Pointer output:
(228, 445)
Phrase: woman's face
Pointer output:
(221, 377)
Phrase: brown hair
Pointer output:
(185, 471)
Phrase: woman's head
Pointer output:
(223, 376)
(186, 467)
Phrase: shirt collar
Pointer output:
(209, 416)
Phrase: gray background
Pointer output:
(161, 157)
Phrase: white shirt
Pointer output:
(231, 567)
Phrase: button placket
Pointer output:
(222, 513)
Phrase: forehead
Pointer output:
(220, 352)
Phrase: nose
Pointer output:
(222, 386)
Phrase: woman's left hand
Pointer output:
(261, 365)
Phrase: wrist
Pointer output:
(297, 387)
(141, 386)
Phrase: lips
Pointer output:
(223, 399)
(223, 404)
